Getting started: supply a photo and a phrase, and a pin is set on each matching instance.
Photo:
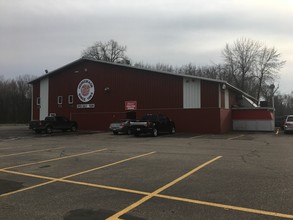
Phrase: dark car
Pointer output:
(53, 123)
(122, 126)
(153, 124)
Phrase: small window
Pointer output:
(70, 99)
(38, 101)
(60, 100)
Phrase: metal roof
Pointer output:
(144, 69)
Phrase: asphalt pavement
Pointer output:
(77, 175)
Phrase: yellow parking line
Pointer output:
(13, 147)
(33, 151)
(105, 187)
(6, 148)
(236, 208)
(198, 136)
(27, 188)
(108, 165)
(27, 174)
(193, 201)
(156, 192)
(63, 178)
(65, 181)
(54, 159)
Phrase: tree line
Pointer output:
(248, 65)
(15, 99)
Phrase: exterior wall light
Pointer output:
(107, 89)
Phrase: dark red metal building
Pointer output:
(96, 93)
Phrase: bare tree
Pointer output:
(267, 66)
(109, 51)
(240, 60)
(189, 69)
(157, 67)
(252, 66)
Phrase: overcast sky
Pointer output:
(46, 34)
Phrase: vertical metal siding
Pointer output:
(227, 101)
(36, 94)
(209, 94)
(220, 96)
(44, 98)
(191, 93)
(151, 90)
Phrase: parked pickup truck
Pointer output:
(53, 123)
(153, 124)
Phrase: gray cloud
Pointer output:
(38, 35)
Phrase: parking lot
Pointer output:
(96, 175)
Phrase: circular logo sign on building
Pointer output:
(85, 90)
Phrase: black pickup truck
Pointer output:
(153, 124)
(53, 123)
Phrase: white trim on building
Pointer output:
(44, 98)
(253, 125)
(227, 101)
(191, 93)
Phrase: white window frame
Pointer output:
(227, 101)
(60, 100)
(38, 101)
(70, 99)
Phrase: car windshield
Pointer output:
(49, 119)
(149, 117)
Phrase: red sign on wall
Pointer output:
(130, 105)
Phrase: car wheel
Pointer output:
(129, 132)
(173, 130)
(73, 128)
(49, 130)
(115, 132)
(38, 131)
(155, 132)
